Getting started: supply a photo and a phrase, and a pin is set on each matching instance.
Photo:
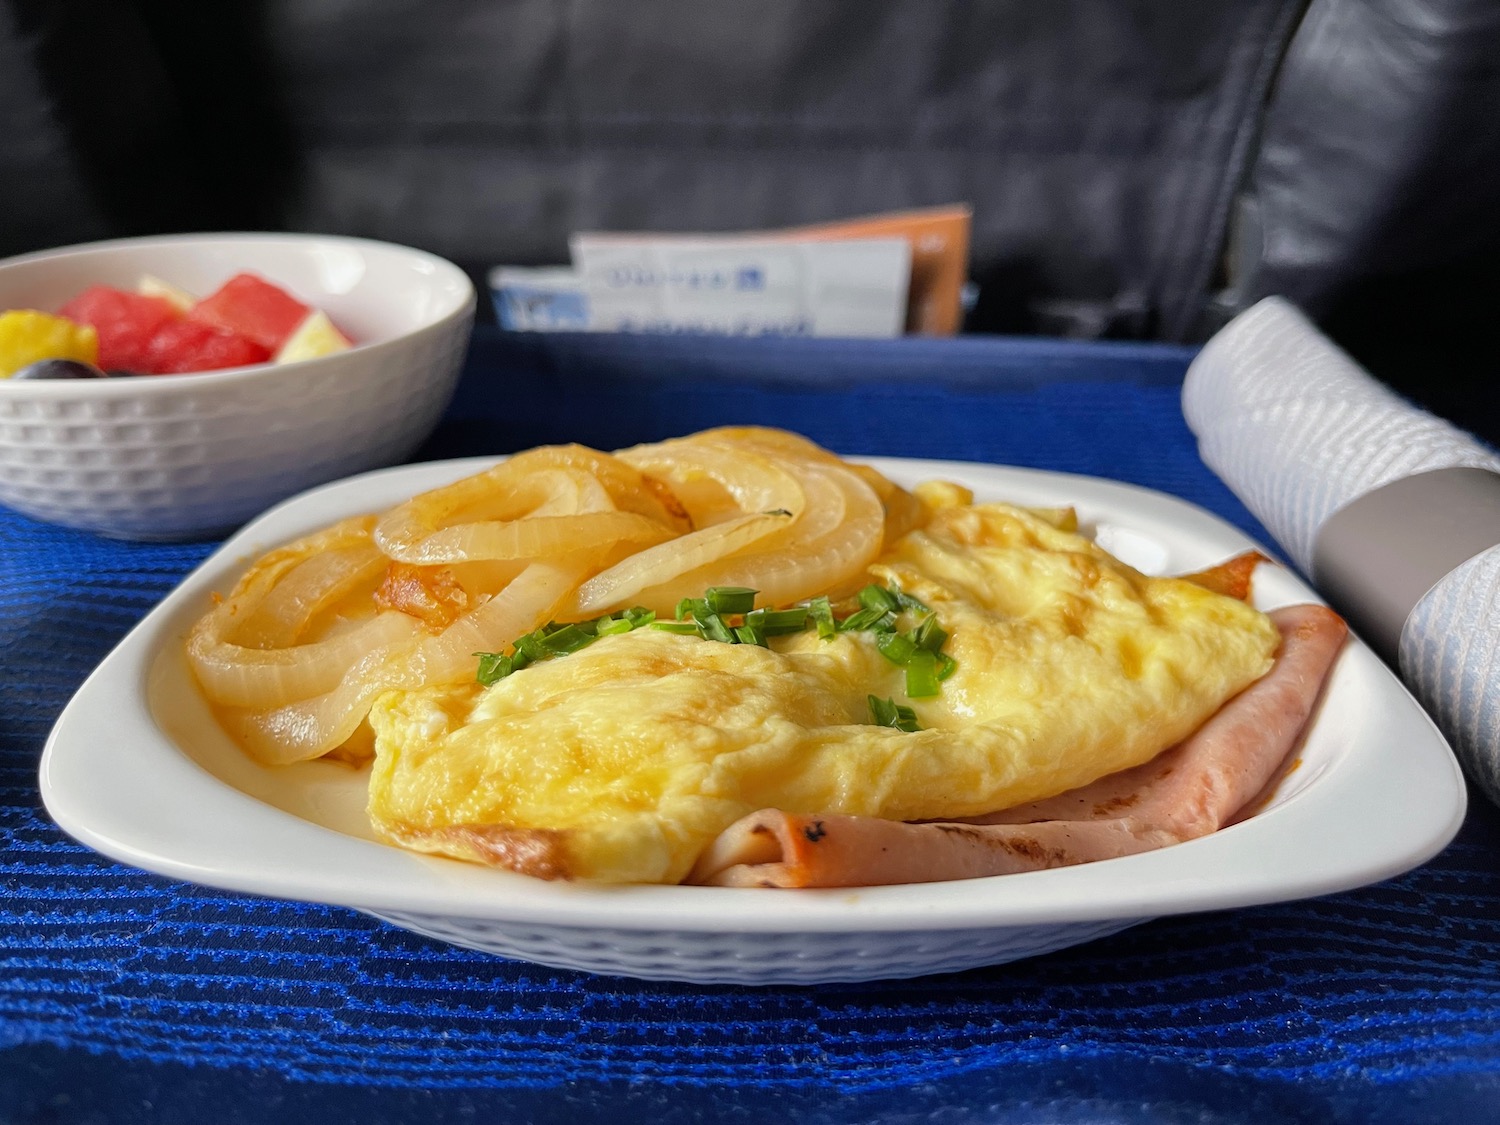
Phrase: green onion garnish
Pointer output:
(898, 648)
(692, 607)
(868, 620)
(680, 627)
(750, 635)
(821, 611)
(493, 667)
(921, 675)
(879, 598)
(727, 614)
(889, 713)
(531, 647)
(779, 622)
(713, 628)
(930, 635)
(730, 599)
(569, 638)
(909, 602)
(553, 640)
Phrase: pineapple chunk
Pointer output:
(27, 336)
(179, 298)
(315, 336)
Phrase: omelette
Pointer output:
(625, 760)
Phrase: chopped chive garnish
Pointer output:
(493, 667)
(821, 611)
(750, 635)
(778, 512)
(553, 640)
(730, 599)
(692, 607)
(639, 615)
(879, 598)
(531, 647)
(873, 620)
(930, 635)
(921, 674)
(908, 602)
(714, 628)
(889, 713)
(779, 622)
(727, 614)
(682, 627)
(898, 648)
(570, 638)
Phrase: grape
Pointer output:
(59, 369)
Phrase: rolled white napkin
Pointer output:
(1360, 488)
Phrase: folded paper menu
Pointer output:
(879, 275)
(1394, 513)
(739, 286)
(939, 238)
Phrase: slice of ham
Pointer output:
(1186, 792)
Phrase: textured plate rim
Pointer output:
(114, 780)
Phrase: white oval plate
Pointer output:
(137, 769)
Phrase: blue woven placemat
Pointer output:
(125, 997)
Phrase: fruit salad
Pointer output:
(159, 329)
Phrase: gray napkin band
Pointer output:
(1379, 554)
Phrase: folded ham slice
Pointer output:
(1188, 791)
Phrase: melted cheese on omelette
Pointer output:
(623, 761)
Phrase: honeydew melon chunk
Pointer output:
(179, 298)
(315, 336)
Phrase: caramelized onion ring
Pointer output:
(768, 495)
(825, 549)
(275, 671)
(524, 508)
(312, 727)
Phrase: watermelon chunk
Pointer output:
(252, 307)
(125, 322)
(186, 345)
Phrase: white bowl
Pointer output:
(138, 769)
(178, 456)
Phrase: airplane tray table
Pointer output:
(126, 997)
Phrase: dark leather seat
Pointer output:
(1136, 169)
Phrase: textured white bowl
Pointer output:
(178, 456)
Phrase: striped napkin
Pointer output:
(1373, 498)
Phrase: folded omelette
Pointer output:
(623, 761)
